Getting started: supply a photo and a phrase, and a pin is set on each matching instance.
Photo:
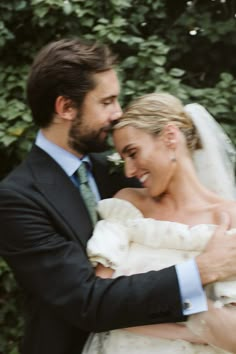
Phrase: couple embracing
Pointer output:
(138, 279)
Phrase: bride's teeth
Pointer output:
(143, 178)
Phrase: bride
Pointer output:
(185, 165)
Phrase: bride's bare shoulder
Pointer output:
(132, 195)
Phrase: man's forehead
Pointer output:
(106, 77)
(106, 84)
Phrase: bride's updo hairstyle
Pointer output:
(152, 112)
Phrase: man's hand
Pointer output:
(218, 260)
(215, 326)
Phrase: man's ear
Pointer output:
(170, 135)
(64, 108)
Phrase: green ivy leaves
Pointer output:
(162, 46)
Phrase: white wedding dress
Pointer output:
(130, 244)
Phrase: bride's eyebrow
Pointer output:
(126, 149)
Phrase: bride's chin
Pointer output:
(155, 194)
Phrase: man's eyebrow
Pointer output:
(109, 97)
(105, 97)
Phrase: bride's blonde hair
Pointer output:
(152, 112)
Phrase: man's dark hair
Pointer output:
(64, 68)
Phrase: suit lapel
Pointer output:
(61, 193)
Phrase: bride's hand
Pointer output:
(216, 326)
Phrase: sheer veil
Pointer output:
(215, 162)
(215, 165)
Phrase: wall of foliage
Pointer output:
(185, 47)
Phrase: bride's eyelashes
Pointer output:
(132, 154)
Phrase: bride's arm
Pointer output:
(166, 330)
(216, 326)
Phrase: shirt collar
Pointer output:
(68, 162)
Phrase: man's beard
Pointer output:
(91, 141)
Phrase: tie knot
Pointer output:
(82, 173)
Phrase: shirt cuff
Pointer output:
(192, 295)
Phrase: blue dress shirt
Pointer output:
(192, 294)
(68, 162)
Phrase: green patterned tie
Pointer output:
(86, 192)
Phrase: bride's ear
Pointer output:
(170, 135)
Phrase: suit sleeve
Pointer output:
(57, 272)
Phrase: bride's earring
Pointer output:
(171, 144)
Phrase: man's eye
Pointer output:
(107, 102)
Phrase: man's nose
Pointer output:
(117, 113)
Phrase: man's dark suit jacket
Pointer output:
(44, 230)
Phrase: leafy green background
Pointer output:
(185, 47)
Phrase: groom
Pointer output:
(45, 222)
